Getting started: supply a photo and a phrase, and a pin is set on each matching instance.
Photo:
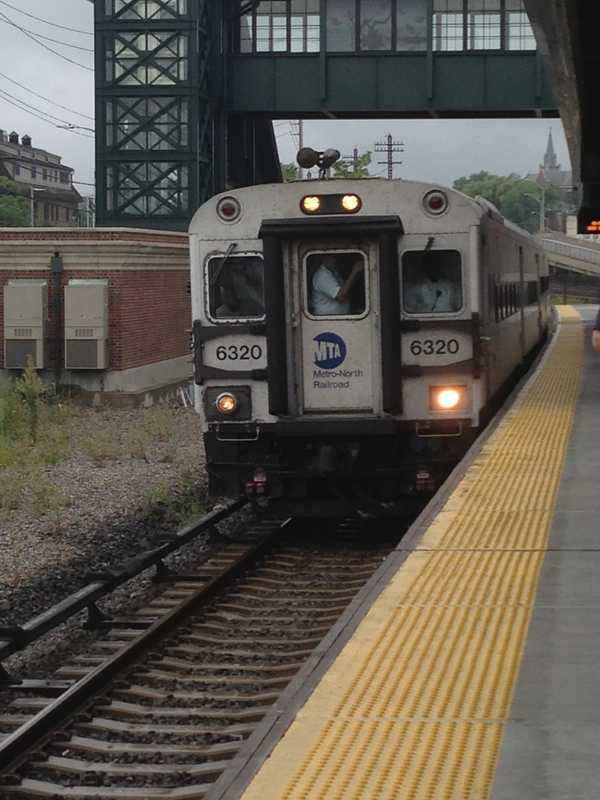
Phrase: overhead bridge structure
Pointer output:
(571, 254)
(186, 90)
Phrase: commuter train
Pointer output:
(351, 337)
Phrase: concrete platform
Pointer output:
(471, 674)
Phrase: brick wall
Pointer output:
(149, 309)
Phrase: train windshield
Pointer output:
(236, 287)
(431, 282)
(335, 284)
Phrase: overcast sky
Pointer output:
(435, 150)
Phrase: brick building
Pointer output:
(42, 178)
(132, 307)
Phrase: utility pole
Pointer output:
(389, 147)
(300, 125)
(353, 158)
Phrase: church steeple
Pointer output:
(550, 159)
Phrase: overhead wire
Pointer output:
(41, 96)
(46, 21)
(39, 116)
(47, 38)
(34, 108)
(34, 38)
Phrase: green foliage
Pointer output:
(32, 391)
(14, 210)
(289, 172)
(353, 169)
(516, 198)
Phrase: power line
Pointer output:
(41, 96)
(4, 18)
(44, 119)
(34, 108)
(48, 38)
(46, 21)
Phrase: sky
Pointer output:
(434, 150)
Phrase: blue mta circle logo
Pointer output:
(330, 350)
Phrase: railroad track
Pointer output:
(162, 704)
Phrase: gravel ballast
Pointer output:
(128, 477)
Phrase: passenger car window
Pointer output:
(335, 284)
(236, 287)
(431, 282)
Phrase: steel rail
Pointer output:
(16, 638)
(15, 748)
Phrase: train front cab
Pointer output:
(358, 401)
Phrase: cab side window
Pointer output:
(236, 287)
(432, 282)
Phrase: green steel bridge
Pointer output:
(186, 90)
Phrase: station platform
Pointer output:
(473, 674)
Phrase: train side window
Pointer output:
(335, 284)
(431, 282)
(236, 287)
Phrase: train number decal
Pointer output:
(434, 347)
(243, 352)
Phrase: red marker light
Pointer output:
(435, 202)
(228, 209)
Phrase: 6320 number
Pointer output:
(234, 352)
(434, 347)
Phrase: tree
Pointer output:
(14, 212)
(289, 172)
(516, 198)
(353, 168)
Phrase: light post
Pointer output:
(542, 203)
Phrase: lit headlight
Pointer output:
(447, 398)
(311, 204)
(226, 403)
(351, 203)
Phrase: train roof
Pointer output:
(379, 197)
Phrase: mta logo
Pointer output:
(330, 350)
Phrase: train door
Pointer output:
(336, 327)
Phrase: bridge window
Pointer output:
(411, 25)
(271, 27)
(376, 25)
(484, 25)
(448, 25)
(481, 25)
(341, 25)
(281, 26)
(294, 26)
(519, 33)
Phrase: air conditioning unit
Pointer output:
(86, 324)
(25, 317)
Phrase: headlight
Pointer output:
(351, 203)
(226, 403)
(311, 204)
(447, 398)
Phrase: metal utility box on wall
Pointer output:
(25, 317)
(86, 324)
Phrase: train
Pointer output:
(351, 337)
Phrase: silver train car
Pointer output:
(351, 337)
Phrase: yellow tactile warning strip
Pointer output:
(414, 707)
